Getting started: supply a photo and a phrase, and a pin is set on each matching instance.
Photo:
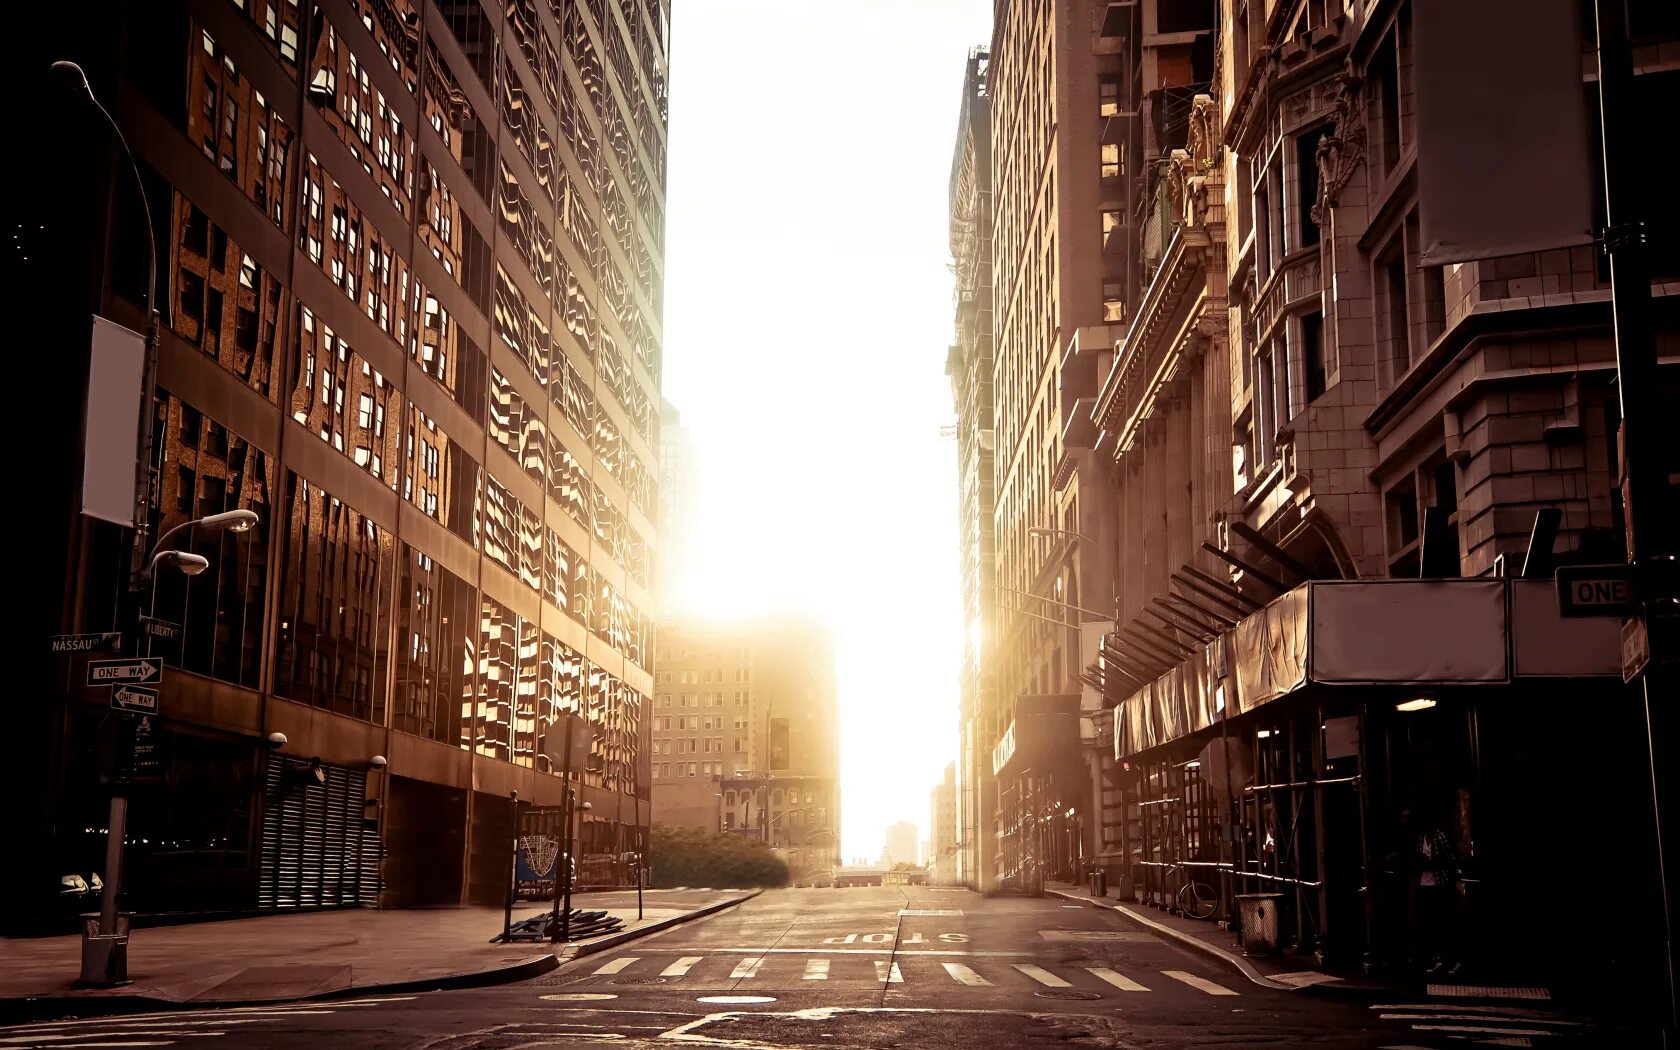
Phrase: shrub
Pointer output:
(689, 857)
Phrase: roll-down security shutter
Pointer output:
(317, 848)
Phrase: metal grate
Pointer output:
(316, 849)
(1478, 991)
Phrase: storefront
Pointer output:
(1301, 753)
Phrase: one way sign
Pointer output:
(143, 670)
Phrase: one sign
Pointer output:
(86, 643)
(162, 629)
(143, 670)
(134, 698)
(112, 434)
(1636, 648)
(1597, 590)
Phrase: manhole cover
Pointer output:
(1068, 995)
(643, 980)
(735, 1000)
(578, 997)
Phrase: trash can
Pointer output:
(1099, 882)
(1259, 913)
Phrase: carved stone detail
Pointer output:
(1340, 152)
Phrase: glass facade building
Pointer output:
(410, 260)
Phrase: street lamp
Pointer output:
(105, 957)
(1041, 530)
(148, 376)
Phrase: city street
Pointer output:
(878, 967)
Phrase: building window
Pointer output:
(1306, 169)
(1108, 97)
(1110, 160)
(1312, 354)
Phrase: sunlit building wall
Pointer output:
(410, 267)
(968, 362)
(1055, 289)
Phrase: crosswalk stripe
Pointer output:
(816, 970)
(618, 964)
(1118, 980)
(1042, 976)
(1479, 1030)
(888, 973)
(1201, 984)
(681, 966)
(964, 975)
(747, 968)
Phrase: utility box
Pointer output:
(1259, 912)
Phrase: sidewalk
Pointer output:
(278, 958)
(1279, 972)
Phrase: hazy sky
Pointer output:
(807, 312)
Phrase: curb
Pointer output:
(24, 1009)
(613, 940)
(1235, 962)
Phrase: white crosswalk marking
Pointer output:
(1118, 980)
(816, 970)
(747, 968)
(1201, 984)
(964, 975)
(888, 974)
(681, 966)
(618, 965)
(1042, 976)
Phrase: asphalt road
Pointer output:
(885, 968)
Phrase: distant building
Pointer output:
(746, 735)
(943, 844)
(903, 844)
(678, 484)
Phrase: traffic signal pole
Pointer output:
(1650, 539)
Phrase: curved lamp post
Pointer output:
(104, 959)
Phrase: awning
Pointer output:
(1043, 737)
(1370, 632)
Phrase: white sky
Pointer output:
(807, 312)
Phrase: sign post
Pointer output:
(134, 699)
(137, 670)
(1597, 590)
(109, 641)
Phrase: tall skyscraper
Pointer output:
(746, 735)
(409, 278)
(969, 364)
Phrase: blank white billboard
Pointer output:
(112, 433)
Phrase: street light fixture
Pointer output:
(148, 376)
(1043, 530)
(104, 960)
(189, 564)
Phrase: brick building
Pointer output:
(1343, 480)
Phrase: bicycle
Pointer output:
(1195, 899)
